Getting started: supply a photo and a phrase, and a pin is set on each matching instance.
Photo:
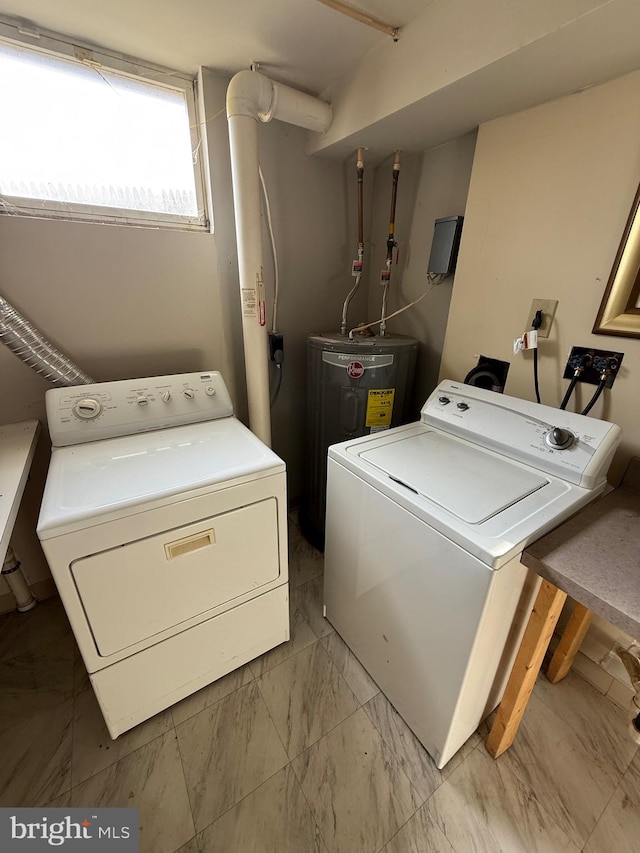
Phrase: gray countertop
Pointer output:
(595, 556)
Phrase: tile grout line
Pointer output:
(186, 786)
(293, 770)
(324, 734)
(291, 657)
(241, 800)
(73, 736)
(534, 796)
(577, 730)
(606, 805)
(392, 751)
(338, 673)
(211, 704)
(255, 679)
(249, 793)
(587, 749)
(360, 706)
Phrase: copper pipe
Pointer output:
(392, 215)
(360, 169)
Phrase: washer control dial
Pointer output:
(444, 400)
(462, 406)
(142, 400)
(189, 393)
(87, 408)
(559, 438)
(166, 396)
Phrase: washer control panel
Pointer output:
(108, 409)
(571, 446)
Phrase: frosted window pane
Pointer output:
(76, 133)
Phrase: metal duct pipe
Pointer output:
(25, 341)
(252, 96)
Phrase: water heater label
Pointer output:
(380, 407)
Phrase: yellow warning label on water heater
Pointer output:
(380, 407)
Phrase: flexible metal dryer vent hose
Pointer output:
(25, 341)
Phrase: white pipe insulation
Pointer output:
(251, 97)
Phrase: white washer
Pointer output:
(425, 526)
(164, 524)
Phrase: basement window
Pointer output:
(97, 137)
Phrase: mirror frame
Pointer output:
(619, 312)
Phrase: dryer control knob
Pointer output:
(559, 439)
(189, 393)
(444, 400)
(166, 396)
(142, 400)
(462, 406)
(87, 408)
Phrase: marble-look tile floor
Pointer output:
(299, 752)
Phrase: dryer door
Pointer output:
(133, 592)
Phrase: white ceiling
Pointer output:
(549, 48)
(299, 42)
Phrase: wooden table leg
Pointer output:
(535, 641)
(569, 645)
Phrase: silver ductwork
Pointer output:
(25, 341)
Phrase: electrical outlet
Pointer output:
(594, 362)
(548, 308)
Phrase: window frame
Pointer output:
(26, 35)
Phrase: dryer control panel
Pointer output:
(109, 409)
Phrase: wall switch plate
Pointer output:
(548, 308)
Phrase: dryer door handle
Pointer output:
(190, 543)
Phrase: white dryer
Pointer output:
(425, 526)
(164, 523)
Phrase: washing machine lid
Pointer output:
(472, 486)
(86, 481)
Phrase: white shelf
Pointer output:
(17, 446)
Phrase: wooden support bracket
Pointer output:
(535, 642)
(569, 645)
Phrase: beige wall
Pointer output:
(431, 185)
(550, 192)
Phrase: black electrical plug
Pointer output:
(276, 345)
(536, 323)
